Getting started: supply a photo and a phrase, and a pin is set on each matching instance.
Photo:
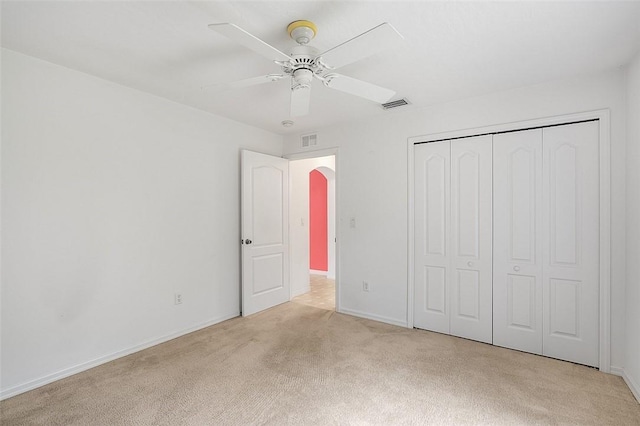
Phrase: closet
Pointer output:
(506, 239)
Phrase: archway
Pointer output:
(318, 215)
(325, 212)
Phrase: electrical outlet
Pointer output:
(365, 286)
(177, 299)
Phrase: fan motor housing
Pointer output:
(303, 59)
(303, 77)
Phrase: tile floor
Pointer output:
(322, 294)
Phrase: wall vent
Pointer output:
(396, 104)
(309, 140)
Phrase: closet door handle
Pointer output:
(469, 263)
(516, 268)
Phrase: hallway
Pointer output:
(322, 293)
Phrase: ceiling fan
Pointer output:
(304, 62)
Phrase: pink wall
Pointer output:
(317, 221)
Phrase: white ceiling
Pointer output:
(451, 50)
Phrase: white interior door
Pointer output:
(571, 242)
(432, 230)
(517, 240)
(471, 235)
(265, 231)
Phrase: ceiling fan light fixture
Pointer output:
(302, 31)
(302, 77)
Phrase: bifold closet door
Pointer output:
(517, 245)
(471, 251)
(571, 232)
(432, 229)
(546, 241)
(452, 221)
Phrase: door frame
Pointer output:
(603, 115)
(316, 154)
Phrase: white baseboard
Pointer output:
(70, 371)
(300, 291)
(633, 385)
(373, 317)
(316, 272)
(616, 371)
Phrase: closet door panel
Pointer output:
(517, 258)
(571, 242)
(432, 229)
(471, 235)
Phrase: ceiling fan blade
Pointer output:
(252, 42)
(300, 98)
(357, 87)
(366, 44)
(245, 83)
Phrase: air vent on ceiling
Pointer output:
(395, 104)
(309, 140)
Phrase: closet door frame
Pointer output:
(603, 116)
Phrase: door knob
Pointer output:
(516, 268)
(469, 263)
(248, 241)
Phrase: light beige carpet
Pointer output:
(296, 364)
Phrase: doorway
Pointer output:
(313, 231)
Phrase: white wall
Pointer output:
(373, 185)
(299, 219)
(330, 174)
(632, 360)
(113, 200)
